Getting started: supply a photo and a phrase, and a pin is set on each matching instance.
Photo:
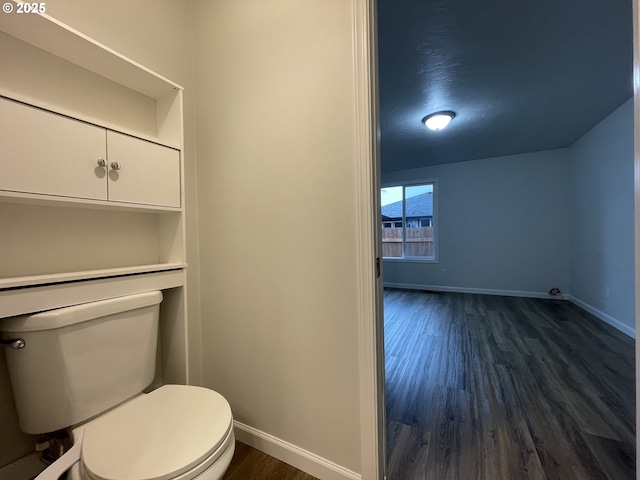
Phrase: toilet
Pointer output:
(84, 368)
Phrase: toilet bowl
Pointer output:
(176, 432)
(84, 367)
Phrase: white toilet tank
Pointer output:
(80, 361)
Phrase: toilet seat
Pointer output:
(175, 432)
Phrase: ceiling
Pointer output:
(521, 75)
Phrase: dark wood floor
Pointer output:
(251, 464)
(501, 388)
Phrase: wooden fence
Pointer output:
(419, 242)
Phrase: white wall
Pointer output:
(501, 226)
(602, 220)
(522, 224)
(276, 143)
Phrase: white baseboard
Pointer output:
(614, 322)
(479, 291)
(295, 456)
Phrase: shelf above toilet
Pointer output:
(37, 280)
(23, 295)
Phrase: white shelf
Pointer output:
(38, 280)
(37, 298)
(22, 198)
(34, 102)
(52, 36)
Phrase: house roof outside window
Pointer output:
(417, 206)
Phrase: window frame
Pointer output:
(434, 222)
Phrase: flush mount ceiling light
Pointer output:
(438, 120)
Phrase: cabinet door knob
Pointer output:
(115, 165)
(102, 162)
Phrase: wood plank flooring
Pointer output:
(251, 464)
(502, 388)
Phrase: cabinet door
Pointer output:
(42, 152)
(147, 173)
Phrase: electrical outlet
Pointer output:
(443, 271)
(607, 292)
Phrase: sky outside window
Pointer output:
(394, 194)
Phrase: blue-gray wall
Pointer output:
(522, 224)
(501, 226)
(601, 275)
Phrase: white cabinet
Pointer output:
(41, 152)
(49, 154)
(67, 224)
(142, 172)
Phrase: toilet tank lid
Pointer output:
(62, 317)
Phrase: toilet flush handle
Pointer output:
(15, 343)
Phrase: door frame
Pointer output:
(636, 194)
(368, 248)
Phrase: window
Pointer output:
(408, 221)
